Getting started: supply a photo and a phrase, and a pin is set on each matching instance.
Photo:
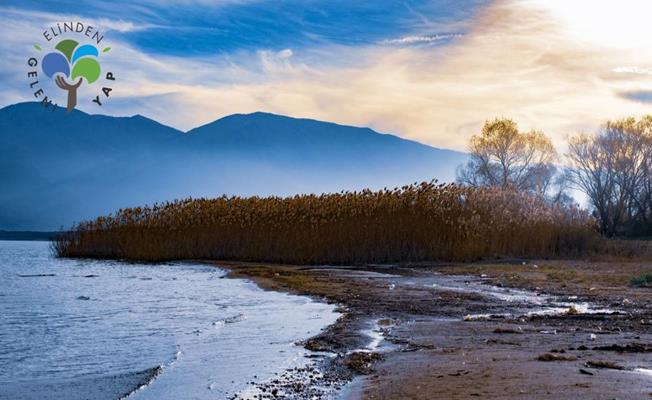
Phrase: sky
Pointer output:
(431, 71)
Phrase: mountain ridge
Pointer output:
(239, 115)
(62, 168)
(312, 120)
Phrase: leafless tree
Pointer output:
(502, 156)
(613, 167)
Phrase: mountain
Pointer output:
(58, 168)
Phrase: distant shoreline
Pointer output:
(28, 235)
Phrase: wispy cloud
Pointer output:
(525, 60)
(633, 70)
(418, 39)
(43, 20)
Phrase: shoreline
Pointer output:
(430, 350)
(339, 353)
(104, 329)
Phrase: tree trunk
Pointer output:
(72, 91)
(72, 98)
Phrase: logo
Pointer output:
(73, 61)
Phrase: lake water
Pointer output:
(82, 329)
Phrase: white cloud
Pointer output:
(633, 70)
(520, 60)
(423, 38)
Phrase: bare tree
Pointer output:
(592, 173)
(613, 168)
(503, 156)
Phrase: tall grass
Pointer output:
(425, 222)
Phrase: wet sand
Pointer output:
(533, 330)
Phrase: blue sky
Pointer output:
(195, 28)
(427, 70)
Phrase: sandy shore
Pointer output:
(533, 330)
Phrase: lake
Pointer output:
(89, 329)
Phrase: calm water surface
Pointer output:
(95, 329)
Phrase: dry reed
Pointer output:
(420, 222)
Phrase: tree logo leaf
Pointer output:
(70, 62)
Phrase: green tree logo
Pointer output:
(75, 62)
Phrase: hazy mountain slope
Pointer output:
(285, 139)
(56, 169)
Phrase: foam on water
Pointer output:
(524, 302)
(375, 335)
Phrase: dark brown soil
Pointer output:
(431, 351)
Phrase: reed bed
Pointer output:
(415, 223)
